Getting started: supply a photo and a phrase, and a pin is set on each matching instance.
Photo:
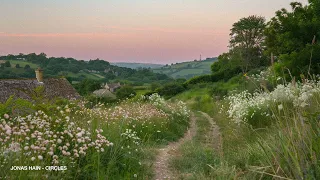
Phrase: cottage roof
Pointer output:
(104, 93)
(114, 85)
(52, 88)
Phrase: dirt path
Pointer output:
(214, 137)
(161, 166)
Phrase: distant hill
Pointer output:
(23, 66)
(137, 65)
(187, 70)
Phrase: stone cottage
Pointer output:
(21, 88)
(113, 87)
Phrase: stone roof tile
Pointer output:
(52, 88)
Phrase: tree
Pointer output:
(87, 86)
(171, 89)
(292, 38)
(125, 92)
(246, 41)
(18, 66)
(27, 66)
(7, 64)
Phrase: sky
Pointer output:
(146, 31)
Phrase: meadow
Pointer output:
(254, 111)
(266, 134)
(186, 70)
(93, 142)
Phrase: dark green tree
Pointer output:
(171, 89)
(7, 64)
(125, 92)
(292, 38)
(27, 66)
(87, 86)
(246, 41)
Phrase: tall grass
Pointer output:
(273, 134)
(99, 142)
(269, 131)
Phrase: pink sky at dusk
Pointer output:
(119, 31)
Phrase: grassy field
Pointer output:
(100, 142)
(84, 74)
(265, 134)
(137, 65)
(187, 69)
(22, 64)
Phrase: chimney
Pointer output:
(39, 75)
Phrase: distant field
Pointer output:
(87, 75)
(22, 63)
(66, 74)
(187, 69)
(137, 65)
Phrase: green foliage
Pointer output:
(7, 64)
(129, 155)
(87, 86)
(125, 92)
(292, 38)
(246, 42)
(187, 70)
(221, 75)
(245, 51)
(6, 108)
(170, 89)
(200, 79)
(78, 70)
(155, 86)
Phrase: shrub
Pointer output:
(87, 86)
(27, 66)
(296, 96)
(170, 90)
(125, 92)
(7, 64)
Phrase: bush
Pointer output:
(254, 108)
(7, 64)
(125, 92)
(87, 86)
(171, 89)
(215, 77)
(155, 86)
(27, 66)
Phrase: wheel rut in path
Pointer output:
(214, 137)
(161, 166)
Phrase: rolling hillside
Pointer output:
(137, 65)
(22, 66)
(187, 70)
